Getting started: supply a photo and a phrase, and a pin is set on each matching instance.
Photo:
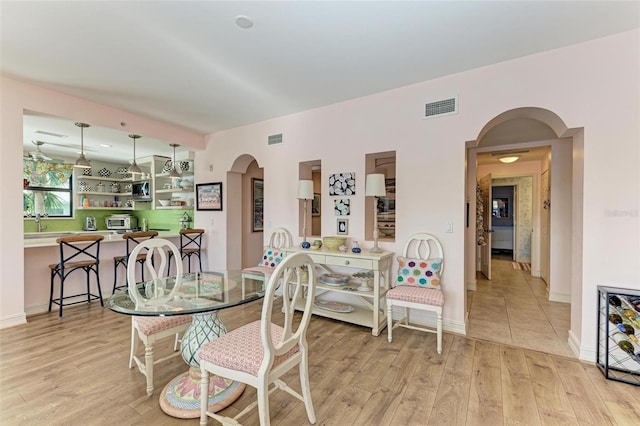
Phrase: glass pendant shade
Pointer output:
(82, 161)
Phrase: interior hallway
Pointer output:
(513, 309)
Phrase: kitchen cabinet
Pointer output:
(367, 309)
(618, 350)
(168, 193)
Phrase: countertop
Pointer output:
(48, 239)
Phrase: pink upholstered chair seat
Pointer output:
(243, 349)
(259, 269)
(426, 296)
(153, 325)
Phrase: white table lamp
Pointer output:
(375, 188)
(305, 193)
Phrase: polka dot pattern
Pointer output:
(271, 258)
(419, 273)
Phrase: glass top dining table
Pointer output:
(202, 295)
(197, 292)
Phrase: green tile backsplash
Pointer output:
(166, 219)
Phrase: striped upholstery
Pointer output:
(426, 296)
(153, 325)
(242, 349)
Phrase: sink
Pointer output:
(36, 235)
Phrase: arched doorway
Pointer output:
(244, 240)
(557, 232)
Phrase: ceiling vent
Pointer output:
(275, 139)
(57, 135)
(442, 107)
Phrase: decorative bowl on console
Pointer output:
(333, 243)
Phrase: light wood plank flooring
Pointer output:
(74, 372)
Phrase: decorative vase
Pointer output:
(355, 248)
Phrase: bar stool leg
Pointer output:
(61, 292)
(99, 289)
(53, 275)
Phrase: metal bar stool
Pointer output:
(86, 257)
(190, 245)
(132, 239)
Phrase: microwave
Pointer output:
(141, 191)
(121, 222)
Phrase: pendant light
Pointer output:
(82, 162)
(174, 173)
(133, 168)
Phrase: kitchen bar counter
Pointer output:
(41, 250)
(47, 239)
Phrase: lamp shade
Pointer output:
(305, 190)
(375, 185)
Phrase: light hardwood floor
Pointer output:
(74, 372)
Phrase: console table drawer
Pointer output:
(351, 262)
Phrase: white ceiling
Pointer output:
(188, 63)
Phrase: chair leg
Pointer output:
(115, 275)
(200, 261)
(53, 276)
(148, 366)
(389, 321)
(204, 395)
(439, 331)
(134, 343)
(61, 294)
(99, 288)
(263, 402)
(169, 264)
(306, 390)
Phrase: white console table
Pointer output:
(370, 313)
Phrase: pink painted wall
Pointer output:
(574, 83)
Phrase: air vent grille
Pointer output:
(275, 139)
(441, 107)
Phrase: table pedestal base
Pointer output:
(181, 396)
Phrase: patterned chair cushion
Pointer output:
(241, 349)
(418, 272)
(259, 270)
(152, 325)
(271, 258)
(426, 296)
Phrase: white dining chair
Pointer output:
(150, 329)
(261, 352)
(418, 284)
(272, 255)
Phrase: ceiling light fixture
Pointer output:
(174, 173)
(133, 168)
(82, 162)
(244, 22)
(509, 159)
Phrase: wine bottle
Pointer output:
(625, 345)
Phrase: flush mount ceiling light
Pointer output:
(133, 168)
(82, 162)
(244, 22)
(174, 173)
(509, 159)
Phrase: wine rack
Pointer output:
(618, 349)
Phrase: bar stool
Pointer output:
(190, 245)
(132, 239)
(77, 252)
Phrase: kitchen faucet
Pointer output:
(38, 219)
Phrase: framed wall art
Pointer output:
(209, 196)
(342, 184)
(342, 227)
(315, 205)
(257, 199)
(342, 207)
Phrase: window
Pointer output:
(47, 189)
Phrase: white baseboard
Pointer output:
(584, 353)
(38, 309)
(13, 320)
(560, 297)
(472, 285)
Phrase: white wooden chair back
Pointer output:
(280, 238)
(424, 246)
(294, 290)
(155, 263)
